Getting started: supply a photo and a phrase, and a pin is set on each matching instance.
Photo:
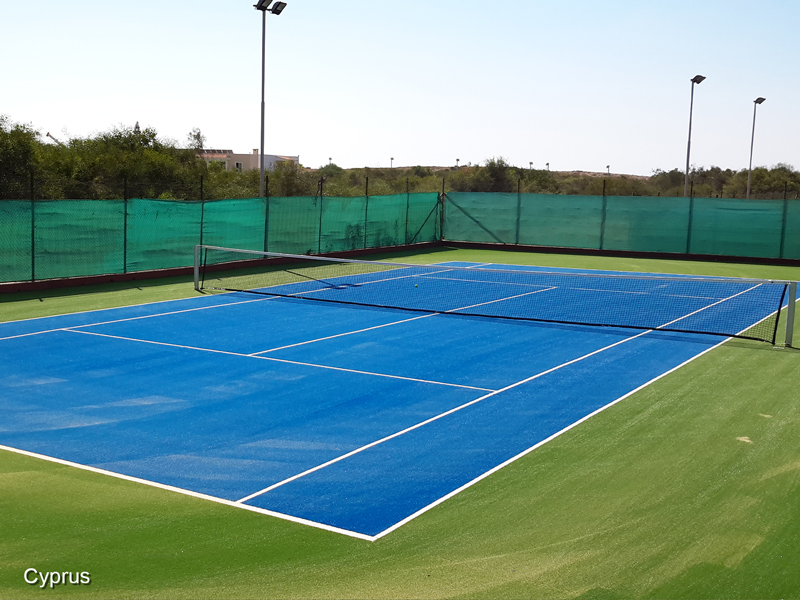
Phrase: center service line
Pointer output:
(433, 314)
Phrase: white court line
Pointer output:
(269, 358)
(561, 432)
(711, 306)
(345, 532)
(467, 404)
(513, 459)
(171, 488)
(330, 337)
(163, 314)
(567, 287)
(436, 418)
(451, 311)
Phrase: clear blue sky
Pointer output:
(578, 84)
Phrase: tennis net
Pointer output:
(745, 308)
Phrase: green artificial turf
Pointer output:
(687, 489)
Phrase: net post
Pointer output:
(790, 313)
(197, 267)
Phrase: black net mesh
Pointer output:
(719, 306)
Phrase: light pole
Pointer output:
(391, 162)
(277, 8)
(608, 169)
(695, 79)
(756, 102)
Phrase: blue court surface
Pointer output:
(349, 418)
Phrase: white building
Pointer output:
(244, 162)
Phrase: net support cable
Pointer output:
(730, 307)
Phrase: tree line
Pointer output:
(130, 162)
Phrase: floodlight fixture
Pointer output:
(695, 79)
(756, 102)
(278, 8)
(262, 4)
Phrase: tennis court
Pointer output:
(351, 417)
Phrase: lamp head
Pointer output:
(698, 79)
(262, 4)
(759, 100)
(277, 8)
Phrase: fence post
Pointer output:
(603, 217)
(266, 216)
(519, 209)
(366, 211)
(319, 232)
(408, 201)
(202, 219)
(691, 219)
(783, 225)
(33, 230)
(441, 216)
(125, 235)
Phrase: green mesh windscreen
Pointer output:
(646, 224)
(15, 240)
(75, 238)
(476, 217)
(534, 219)
(241, 223)
(294, 225)
(70, 238)
(162, 233)
(791, 232)
(719, 226)
(736, 227)
(386, 221)
(555, 220)
(423, 218)
(343, 224)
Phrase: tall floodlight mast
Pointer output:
(756, 102)
(695, 79)
(276, 9)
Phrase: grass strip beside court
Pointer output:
(687, 489)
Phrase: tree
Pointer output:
(18, 144)
(196, 139)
